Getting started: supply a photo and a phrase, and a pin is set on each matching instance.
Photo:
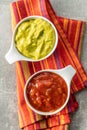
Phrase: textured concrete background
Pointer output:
(76, 9)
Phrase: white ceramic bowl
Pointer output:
(14, 55)
(66, 73)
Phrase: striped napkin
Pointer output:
(67, 52)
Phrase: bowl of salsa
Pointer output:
(34, 38)
(47, 92)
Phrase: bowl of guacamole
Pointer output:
(35, 38)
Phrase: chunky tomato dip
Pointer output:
(47, 91)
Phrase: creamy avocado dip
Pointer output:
(35, 38)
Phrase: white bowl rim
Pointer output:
(22, 57)
(40, 112)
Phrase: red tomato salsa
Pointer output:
(47, 91)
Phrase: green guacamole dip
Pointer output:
(35, 38)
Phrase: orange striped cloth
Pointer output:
(67, 52)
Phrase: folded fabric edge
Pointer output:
(57, 127)
(81, 35)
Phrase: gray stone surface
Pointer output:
(76, 9)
